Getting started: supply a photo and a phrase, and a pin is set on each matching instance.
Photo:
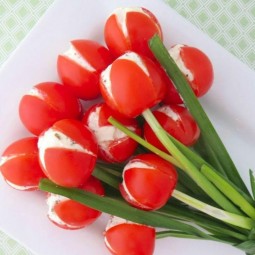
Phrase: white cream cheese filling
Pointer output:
(55, 139)
(75, 56)
(134, 57)
(113, 221)
(36, 93)
(5, 159)
(106, 77)
(175, 54)
(135, 164)
(105, 134)
(169, 112)
(53, 200)
(106, 81)
(121, 17)
(19, 187)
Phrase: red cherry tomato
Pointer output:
(131, 84)
(129, 29)
(148, 181)
(68, 153)
(79, 67)
(177, 121)
(69, 214)
(20, 166)
(114, 145)
(197, 68)
(123, 237)
(45, 104)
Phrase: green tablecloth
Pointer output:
(229, 22)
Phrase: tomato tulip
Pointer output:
(45, 104)
(123, 237)
(20, 166)
(68, 153)
(80, 66)
(197, 68)
(69, 214)
(177, 121)
(131, 84)
(129, 29)
(114, 145)
(148, 181)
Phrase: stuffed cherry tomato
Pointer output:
(68, 153)
(197, 68)
(131, 84)
(124, 237)
(129, 29)
(177, 121)
(114, 145)
(69, 214)
(148, 181)
(20, 166)
(80, 66)
(45, 104)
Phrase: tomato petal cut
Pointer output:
(68, 153)
(114, 145)
(45, 104)
(76, 214)
(20, 166)
(148, 181)
(177, 121)
(130, 238)
(83, 83)
(201, 67)
(69, 214)
(129, 29)
(129, 75)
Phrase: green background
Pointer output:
(229, 22)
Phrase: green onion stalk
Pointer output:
(210, 202)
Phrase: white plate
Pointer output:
(230, 104)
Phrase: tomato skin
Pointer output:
(74, 215)
(148, 181)
(201, 67)
(177, 121)
(129, 75)
(68, 153)
(131, 32)
(45, 104)
(198, 65)
(20, 164)
(82, 83)
(82, 80)
(114, 146)
(113, 31)
(130, 238)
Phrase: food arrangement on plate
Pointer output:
(146, 154)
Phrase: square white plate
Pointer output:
(230, 105)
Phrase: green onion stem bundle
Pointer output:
(211, 201)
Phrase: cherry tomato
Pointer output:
(148, 181)
(69, 214)
(197, 68)
(45, 104)
(114, 145)
(129, 29)
(20, 166)
(79, 67)
(131, 84)
(123, 237)
(68, 153)
(177, 121)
